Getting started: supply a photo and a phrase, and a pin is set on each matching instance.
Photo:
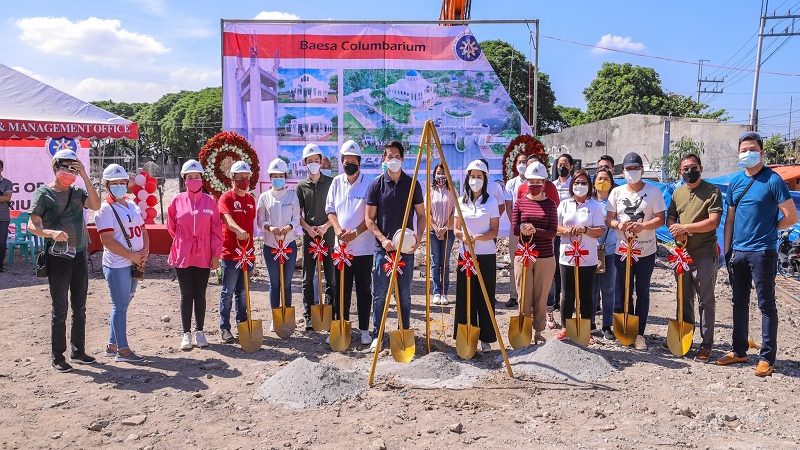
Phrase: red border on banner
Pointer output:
(37, 129)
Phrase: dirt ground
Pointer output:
(207, 398)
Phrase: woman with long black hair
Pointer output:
(442, 238)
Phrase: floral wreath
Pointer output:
(522, 144)
(217, 156)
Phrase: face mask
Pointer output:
(384, 167)
(326, 172)
(350, 169)
(692, 176)
(313, 168)
(563, 171)
(749, 159)
(535, 189)
(475, 184)
(118, 190)
(632, 176)
(602, 185)
(580, 190)
(278, 183)
(394, 165)
(66, 178)
(441, 180)
(521, 168)
(194, 185)
(243, 184)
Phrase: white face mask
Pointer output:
(521, 168)
(476, 184)
(313, 168)
(394, 165)
(632, 176)
(580, 190)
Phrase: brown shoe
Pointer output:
(730, 358)
(703, 355)
(763, 369)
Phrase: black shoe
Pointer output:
(512, 303)
(608, 335)
(227, 336)
(309, 327)
(61, 366)
(82, 358)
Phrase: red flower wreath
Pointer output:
(219, 153)
(522, 144)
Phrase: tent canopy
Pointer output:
(30, 109)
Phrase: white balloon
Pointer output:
(140, 180)
(142, 195)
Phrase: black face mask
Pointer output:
(350, 169)
(563, 171)
(692, 176)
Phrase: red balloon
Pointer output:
(151, 186)
(152, 200)
(144, 174)
(151, 213)
(135, 189)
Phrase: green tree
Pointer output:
(672, 160)
(285, 119)
(281, 84)
(775, 150)
(333, 83)
(572, 116)
(192, 120)
(506, 60)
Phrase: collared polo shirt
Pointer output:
(390, 198)
(349, 202)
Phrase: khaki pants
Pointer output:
(512, 247)
(537, 287)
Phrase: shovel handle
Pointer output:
(341, 299)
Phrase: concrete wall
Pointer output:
(644, 134)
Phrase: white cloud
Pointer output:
(613, 41)
(119, 90)
(276, 15)
(94, 40)
(196, 77)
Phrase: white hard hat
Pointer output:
(278, 165)
(240, 167)
(66, 155)
(311, 150)
(477, 165)
(191, 166)
(536, 171)
(351, 148)
(114, 172)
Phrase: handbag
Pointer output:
(41, 258)
(137, 271)
(601, 255)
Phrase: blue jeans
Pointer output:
(274, 270)
(121, 286)
(604, 292)
(381, 285)
(440, 261)
(554, 297)
(232, 286)
(641, 271)
(759, 268)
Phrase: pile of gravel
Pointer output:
(561, 360)
(303, 383)
(434, 370)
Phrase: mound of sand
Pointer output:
(303, 383)
(435, 370)
(561, 360)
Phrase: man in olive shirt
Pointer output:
(312, 193)
(693, 217)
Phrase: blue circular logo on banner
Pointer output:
(62, 143)
(467, 48)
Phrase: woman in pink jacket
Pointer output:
(194, 223)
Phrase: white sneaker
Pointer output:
(366, 338)
(435, 299)
(485, 347)
(328, 339)
(186, 341)
(373, 345)
(444, 300)
(639, 343)
(200, 339)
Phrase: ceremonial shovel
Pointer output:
(680, 333)
(578, 329)
(251, 333)
(520, 327)
(341, 329)
(283, 317)
(321, 313)
(626, 326)
(467, 334)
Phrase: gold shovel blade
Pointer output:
(321, 316)
(283, 321)
(520, 332)
(251, 335)
(579, 330)
(679, 340)
(625, 335)
(340, 335)
(402, 345)
(467, 341)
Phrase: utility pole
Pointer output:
(701, 80)
(789, 136)
(788, 31)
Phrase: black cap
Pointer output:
(632, 158)
(752, 136)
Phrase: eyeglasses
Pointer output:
(67, 168)
(689, 169)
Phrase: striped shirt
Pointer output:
(543, 215)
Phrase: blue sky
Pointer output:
(137, 50)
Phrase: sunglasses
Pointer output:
(67, 168)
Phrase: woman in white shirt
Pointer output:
(605, 283)
(278, 216)
(482, 219)
(580, 223)
(125, 245)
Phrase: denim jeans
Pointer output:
(381, 282)
(641, 271)
(274, 270)
(121, 286)
(759, 268)
(3, 241)
(605, 290)
(440, 262)
(69, 283)
(554, 298)
(232, 286)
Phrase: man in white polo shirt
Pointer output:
(345, 206)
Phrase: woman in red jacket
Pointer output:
(194, 223)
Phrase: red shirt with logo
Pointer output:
(242, 210)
